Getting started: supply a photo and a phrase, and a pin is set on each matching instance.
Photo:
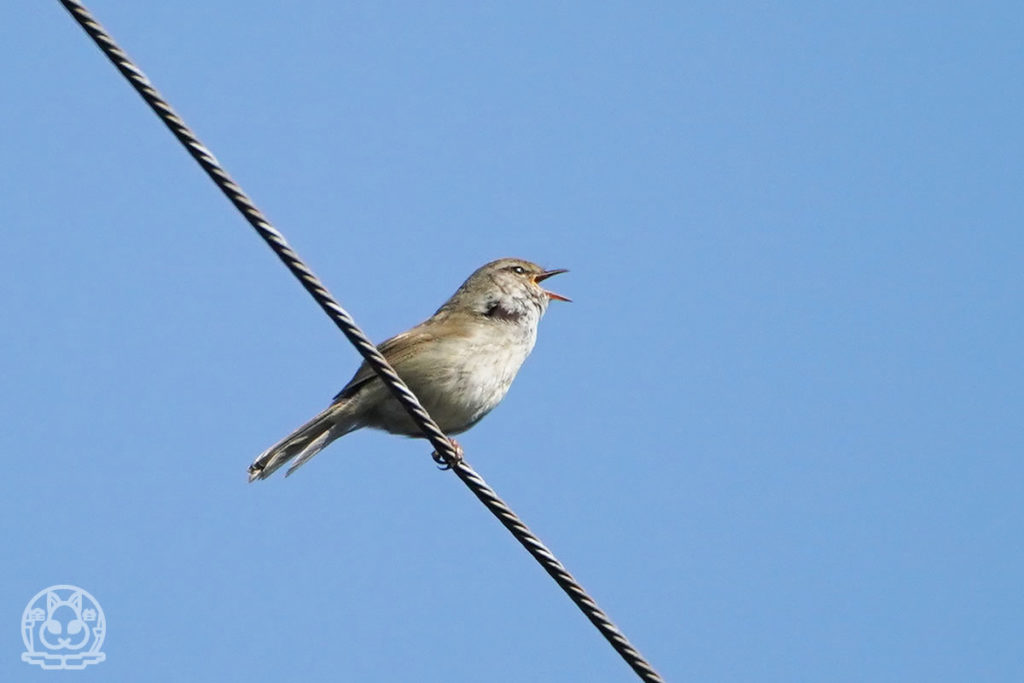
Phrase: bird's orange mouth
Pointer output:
(540, 277)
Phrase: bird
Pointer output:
(460, 363)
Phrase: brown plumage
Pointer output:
(459, 362)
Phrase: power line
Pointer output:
(444, 451)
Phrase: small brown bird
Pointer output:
(459, 362)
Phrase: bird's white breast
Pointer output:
(460, 378)
(479, 373)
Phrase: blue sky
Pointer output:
(777, 435)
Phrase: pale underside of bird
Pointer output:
(460, 363)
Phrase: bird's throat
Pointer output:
(499, 312)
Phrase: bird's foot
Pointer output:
(443, 464)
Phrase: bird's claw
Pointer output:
(442, 463)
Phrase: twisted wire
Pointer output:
(445, 451)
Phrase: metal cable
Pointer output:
(445, 451)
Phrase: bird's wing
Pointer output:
(396, 350)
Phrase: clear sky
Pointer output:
(777, 435)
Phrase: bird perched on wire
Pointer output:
(459, 362)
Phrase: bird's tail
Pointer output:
(304, 442)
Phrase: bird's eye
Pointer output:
(519, 270)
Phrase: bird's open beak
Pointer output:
(540, 277)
